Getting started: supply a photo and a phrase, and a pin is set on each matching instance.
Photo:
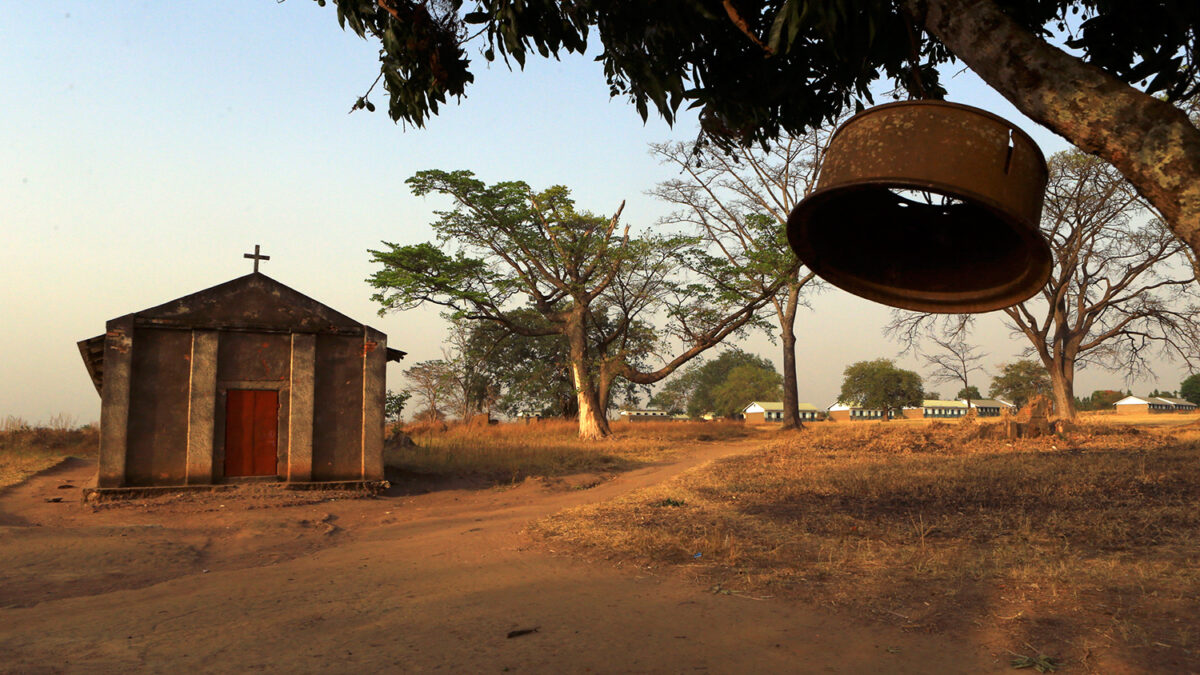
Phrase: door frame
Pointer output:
(283, 392)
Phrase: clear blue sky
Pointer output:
(145, 146)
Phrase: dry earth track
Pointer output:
(405, 583)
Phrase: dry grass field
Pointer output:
(26, 449)
(1083, 547)
(514, 451)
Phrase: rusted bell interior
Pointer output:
(927, 206)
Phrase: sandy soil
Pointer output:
(428, 577)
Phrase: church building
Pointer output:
(249, 379)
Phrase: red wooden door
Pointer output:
(251, 430)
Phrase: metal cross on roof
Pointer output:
(256, 257)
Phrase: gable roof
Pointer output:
(988, 403)
(776, 406)
(771, 406)
(937, 403)
(1177, 401)
(251, 302)
(254, 302)
(1132, 400)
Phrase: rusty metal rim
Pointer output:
(944, 189)
(1017, 131)
(1022, 288)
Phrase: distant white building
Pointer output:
(988, 407)
(1134, 405)
(772, 411)
(936, 409)
(847, 411)
(645, 415)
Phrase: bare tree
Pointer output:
(955, 362)
(1121, 289)
(433, 385)
(954, 359)
(739, 202)
(466, 355)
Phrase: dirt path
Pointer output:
(423, 582)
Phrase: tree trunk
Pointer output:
(593, 423)
(1150, 141)
(787, 330)
(1062, 379)
(604, 390)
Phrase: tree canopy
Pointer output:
(1100, 399)
(879, 384)
(504, 249)
(970, 393)
(756, 68)
(724, 385)
(393, 405)
(1189, 389)
(1020, 381)
(533, 373)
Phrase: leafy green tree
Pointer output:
(503, 247)
(880, 385)
(675, 394)
(970, 393)
(532, 373)
(743, 385)
(757, 67)
(1189, 389)
(393, 404)
(1020, 381)
(1103, 399)
(695, 388)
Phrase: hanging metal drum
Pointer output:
(928, 206)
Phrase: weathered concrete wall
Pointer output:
(202, 399)
(300, 415)
(374, 362)
(114, 401)
(337, 408)
(158, 408)
(1132, 409)
(254, 357)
